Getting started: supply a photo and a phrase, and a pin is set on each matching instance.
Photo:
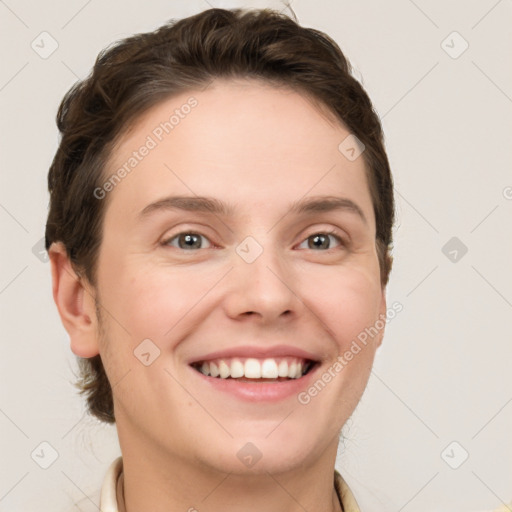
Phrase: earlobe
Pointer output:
(75, 303)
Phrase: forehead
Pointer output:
(265, 143)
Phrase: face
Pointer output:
(245, 278)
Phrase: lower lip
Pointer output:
(259, 391)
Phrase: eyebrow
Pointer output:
(213, 205)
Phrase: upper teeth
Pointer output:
(252, 368)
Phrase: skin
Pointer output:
(259, 148)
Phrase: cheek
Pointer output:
(157, 303)
(346, 301)
(163, 303)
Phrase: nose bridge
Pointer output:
(262, 281)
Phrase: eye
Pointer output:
(322, 240)
(187, 241)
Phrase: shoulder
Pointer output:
(503, 508)
(350, 505)
(345, 494)
(108, 497)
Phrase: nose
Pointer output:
(262, 290)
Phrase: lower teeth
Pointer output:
(246, 379)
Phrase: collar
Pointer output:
(112, 486)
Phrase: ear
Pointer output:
(382, 315)
(75, 302)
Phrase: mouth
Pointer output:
(254, 370)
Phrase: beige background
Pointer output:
(443, 373)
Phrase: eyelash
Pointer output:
(332, 233)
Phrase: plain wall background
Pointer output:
(443, 373)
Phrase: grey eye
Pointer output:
(321, 241)
(186, 241)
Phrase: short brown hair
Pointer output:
(140, 71)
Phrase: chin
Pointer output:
(260, 455)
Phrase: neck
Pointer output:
(156, 480)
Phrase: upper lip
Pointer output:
(257, 352)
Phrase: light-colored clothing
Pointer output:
(111, 499)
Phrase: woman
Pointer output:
(219, 231)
